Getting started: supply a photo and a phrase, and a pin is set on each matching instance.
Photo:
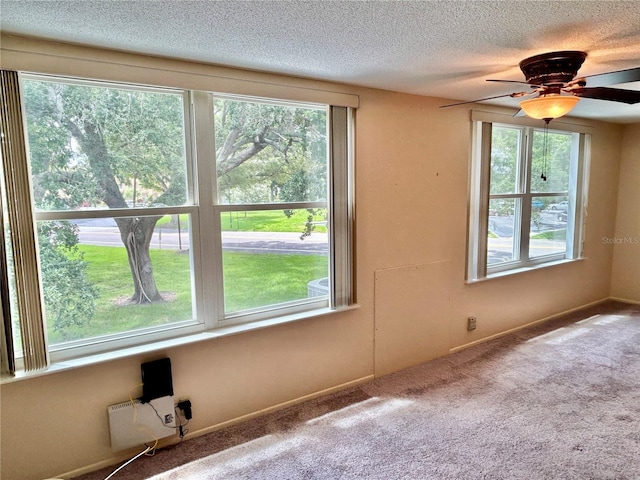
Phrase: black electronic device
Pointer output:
(185, 406)
(156, 379)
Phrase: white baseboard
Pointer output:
(527, 325)
(624, 300)
(122, 457)
(280, 406)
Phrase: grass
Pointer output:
(254, 280)
(251, 280)
(254, 221)
(559, 234)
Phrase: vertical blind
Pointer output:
(341, 202)
(21, 228)
(7, 356)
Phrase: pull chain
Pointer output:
(545, 152)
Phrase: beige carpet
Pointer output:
(558, 401)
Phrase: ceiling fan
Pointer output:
(552, 77)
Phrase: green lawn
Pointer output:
(551, 235)
(251, 280)
(255, 221)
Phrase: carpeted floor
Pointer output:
(557, 401)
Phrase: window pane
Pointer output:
(274, 256)
(548, 226)
(94, 147)
(94, 286)
(268, 153)
(501, 246)
(551, 166)
(505, 152)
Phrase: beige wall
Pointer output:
(626, 241)
(411, 179)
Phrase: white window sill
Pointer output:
(88, 360)
(519, 270)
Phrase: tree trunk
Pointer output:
(135, 232)
(136, 235)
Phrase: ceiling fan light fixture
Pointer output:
(549, 106)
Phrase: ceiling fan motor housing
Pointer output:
(554, 68)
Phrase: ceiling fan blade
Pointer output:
(508, 81)
(612, 78)
(611, 94)
(517, 94)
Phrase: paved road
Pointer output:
(501, 249)
(104, 232)
(275, 242)
(253, 242)
(502, 226)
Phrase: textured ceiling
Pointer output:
(437, 48)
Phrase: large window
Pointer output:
(161, 212)
(527, 197)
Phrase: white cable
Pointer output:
(146, 450)
(128, 462)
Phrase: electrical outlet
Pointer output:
(185, 407)
(471, 323)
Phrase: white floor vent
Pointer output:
(134, 423)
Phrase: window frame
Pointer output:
(219, 208)
(204, 211)
(477, 268)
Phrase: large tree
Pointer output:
(113, 146)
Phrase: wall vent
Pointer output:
(134, 423)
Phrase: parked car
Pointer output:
(564, 206)
(562, 217)
(536, 204)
